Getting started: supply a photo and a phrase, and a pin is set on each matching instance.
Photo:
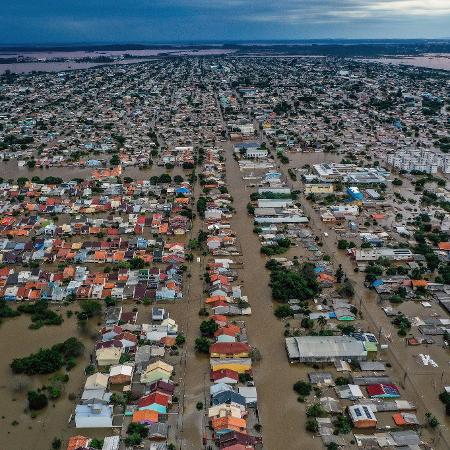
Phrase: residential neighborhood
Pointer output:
(225, 252)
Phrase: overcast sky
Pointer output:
(41, 21)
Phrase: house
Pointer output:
(93, 416)
(158, 314)
(77, 442)
(229, 350)
(111, 443)
(157, 371)
(91, 396)
(145, 416)
(158, 431)
(228, 397)
(155, 401)
(383, 391)
(108, 356)
(227, 440)
(227, 376)
(239, 365)
(222, 425)
(121, 374)
(224, 410)
(96, 381)
(113, 314)
(319, 188)
(249, 393)
(162, 387)
(362, 416)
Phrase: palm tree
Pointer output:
(322, 322)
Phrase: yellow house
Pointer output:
(225, 355)
(108, 356)
(239, 365)
(159, 370)
(319, 188)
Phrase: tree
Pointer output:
(48, 360)
(180, 340)
(322, 322)
(283, 311)
(96, 443)
(312, 426)
(302, 388)
(91, 308)
(137, 263)
(202, 345)
(339, 273)
(137, 428)
(165, 178)
(316, 410)
(347, 289)
(56, 443)
(342, 244)
(208, 327)
(342, 424)
(115, 160)
(37, 401)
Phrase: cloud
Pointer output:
(160, 20)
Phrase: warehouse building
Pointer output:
(316, 349)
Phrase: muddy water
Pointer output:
(18, 341)
(282, 417)
(61, 66)
(9, 169)
(440, 62)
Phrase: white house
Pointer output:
(93, 416)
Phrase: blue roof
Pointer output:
(228, 397)
(377, 283)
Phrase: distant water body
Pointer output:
(439, 62)
(59, 66)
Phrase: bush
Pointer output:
(316, 410)
(342, 424)
(56, 444)
(202, 345)
(48, 360)
(91, 308)
(283, 311)
(37, 401)
(302, 388)
(7, 311)
(180, 340)
(312, 426)
(138, 429)
(208, 327)
(286, 284)
(341, 381)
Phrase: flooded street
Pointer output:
(274, 376)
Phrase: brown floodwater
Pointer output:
(441, 62)
(62, 66)
(282, 417)
(10, 170)
(18, 430)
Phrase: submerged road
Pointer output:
(282, 417)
